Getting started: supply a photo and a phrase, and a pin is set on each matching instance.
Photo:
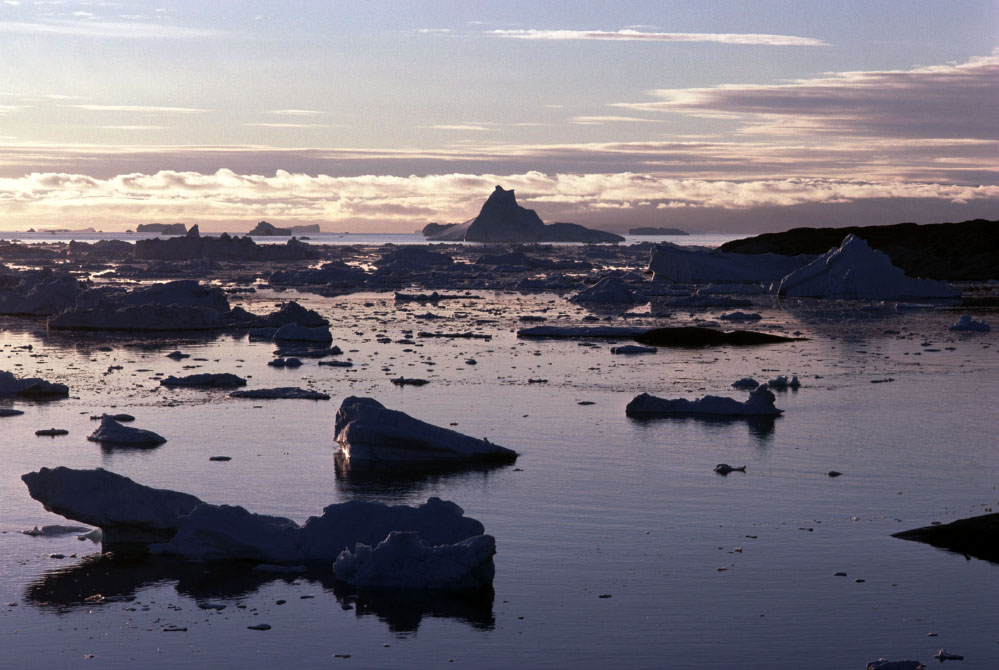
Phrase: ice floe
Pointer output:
(854, 271)
(282, 392)
(969, 324)
(367, 431)
(760, 403)
(205, 380)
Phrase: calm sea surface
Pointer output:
(618, 546)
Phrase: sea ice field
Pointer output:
(618, 545)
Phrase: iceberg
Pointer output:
(607, 289)
(205, 380)
(34, 387)
(969, 324)
(112, 433)
(366, 430)
(760, 403)
(854, 271)
(695, 265)
(281, 392)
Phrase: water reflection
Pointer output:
(760, 427)
(382, 482)
(104, 579)
(88, 342)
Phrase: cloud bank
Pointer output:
(384, 202)
(631, 35)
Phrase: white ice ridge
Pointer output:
(673, 263)
(760, 403)
(367, 431)
(854, 271)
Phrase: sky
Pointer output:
(369, 116)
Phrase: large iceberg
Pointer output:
(760, 403)
(854, 271)
(367, 431)
(170, 523)
(691, 265)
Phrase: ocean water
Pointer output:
(701, 239)
(618, 546)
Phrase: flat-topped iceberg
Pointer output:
(760, 403)
(685, 264)
(367, 431)
(205, 380)
(854, 271)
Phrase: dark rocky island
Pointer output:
(162, 228)
(193, 246)
(657, 231)
(265, 229)
(503, 220)
(964, 251)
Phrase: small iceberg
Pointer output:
(205, 380)
(747, 383)
(760, 403)
(630, 349)
(367, 431)
(782, 383)
(112, 433)
(280, 393)
(32, 387)
(607, 290)
(966, 323)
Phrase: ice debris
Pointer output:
(760, 403)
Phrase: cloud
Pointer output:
(288, 125)
(629, 35)
(107, 29)
(229, 196)
(295, 112)
(144, 109)
(599, 120)
(956, 100)
(133, 127)
(460, 126)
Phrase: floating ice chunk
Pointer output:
(633, 349)
(205, 380)
(112, 433)
(783, 383)
(740, 316)
(967, 323)
(367, 431)
(294, 333)
(55, 529)
(282, 392)
(694, 336)
(760, 403)
(569, 332)
(745, 383)
(607, 289)
(404, 561)
(854, 271)
(884, 664)
(725, 468)
(29, 386)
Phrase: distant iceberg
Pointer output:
(760, 403)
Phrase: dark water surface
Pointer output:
(703, 571)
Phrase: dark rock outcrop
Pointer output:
(223, 247)
(964, 251)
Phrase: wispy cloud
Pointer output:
(956, 100)
(106, 29)
(288, 125)
(629, 35)
(143, 109)
(133, 127)
(295, 112)
(476, 127)
(599, 120)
